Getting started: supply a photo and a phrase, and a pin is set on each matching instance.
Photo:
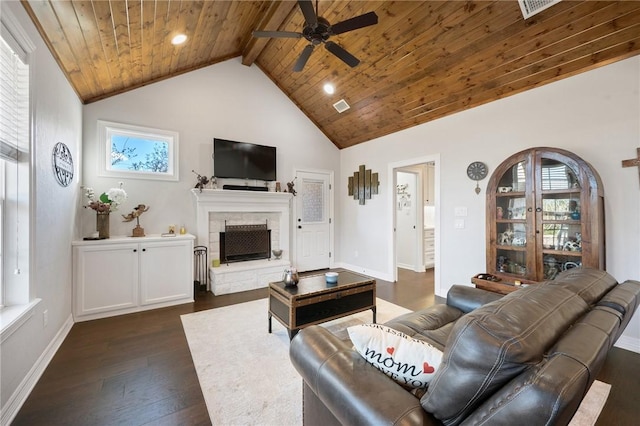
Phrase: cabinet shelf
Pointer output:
(562, 253)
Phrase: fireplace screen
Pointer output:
(245, 242)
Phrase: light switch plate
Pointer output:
(460, 212)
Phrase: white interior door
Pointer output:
(407, 201)
(312, 221)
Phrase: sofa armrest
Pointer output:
(353, 390)
(468, 298)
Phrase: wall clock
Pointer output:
(477, 171)
(62, 164)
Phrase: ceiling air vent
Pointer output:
(341, 106)
(531, 7)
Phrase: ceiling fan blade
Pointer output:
(277, 34)
(345, 56)
(303, 58)
(310, 16)
(354, 23)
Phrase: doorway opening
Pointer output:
(415, 220)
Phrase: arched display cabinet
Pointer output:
(545, 214)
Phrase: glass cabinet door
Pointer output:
(511, 222)
(559, 217)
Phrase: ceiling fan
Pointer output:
(318, 30)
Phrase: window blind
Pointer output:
(14, 98)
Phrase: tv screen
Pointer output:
(242, 160)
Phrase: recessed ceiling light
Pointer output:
(179, 39)
(329, 89)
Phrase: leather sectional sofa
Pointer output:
(528, 357)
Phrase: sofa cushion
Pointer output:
(590, 284)
(496, 342)
(408, 361)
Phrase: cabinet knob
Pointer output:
(538, 209)
(144, 249)
(529, 209)
(135, 250)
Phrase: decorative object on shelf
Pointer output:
(634, 162)
(138, 231)
(477, 171)
(183, 230)
(290, 277)
(103, 205)
(62, 164)
(290, 187)
(102, 224)
(499, 213)
(278, 188)
(203, 181)
(363, 184)
(277, 253)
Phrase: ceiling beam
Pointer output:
(275, 15)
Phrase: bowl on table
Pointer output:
(331, 277)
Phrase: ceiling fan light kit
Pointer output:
(318, 30)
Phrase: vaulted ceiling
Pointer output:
(422, 61)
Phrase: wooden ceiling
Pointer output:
(422, 61)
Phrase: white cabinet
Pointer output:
(429, 184)
(429, 248)
(123, 275)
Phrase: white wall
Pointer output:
(57, 118)
(226, 100)
(595, 115)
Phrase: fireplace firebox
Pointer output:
(239, 243)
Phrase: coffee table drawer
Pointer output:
(327, 309)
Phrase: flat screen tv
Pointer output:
(243, 160)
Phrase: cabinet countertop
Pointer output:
(119, 239)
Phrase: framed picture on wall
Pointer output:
(128, 151)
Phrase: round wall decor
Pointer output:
(477, 170)
(62, 164)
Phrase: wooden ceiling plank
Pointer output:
(49, 28)
(147, 41)
(104, 26)
(210, 46)
(72, 36)
(136, 33)
(186, 22)
(120, 24)
(201, 32)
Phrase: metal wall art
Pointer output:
(363, 184)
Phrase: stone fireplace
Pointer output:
(217, 209)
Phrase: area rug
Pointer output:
(246, 376)
(244, 372)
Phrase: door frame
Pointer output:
(293, 236)
(391, 203)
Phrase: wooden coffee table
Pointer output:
(314, 301)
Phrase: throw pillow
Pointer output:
(408, 361)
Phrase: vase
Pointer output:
(102, 224)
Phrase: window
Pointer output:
(137, 152)
(14, 165)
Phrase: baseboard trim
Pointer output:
(360, 270)
(15, 402)
(628, 343)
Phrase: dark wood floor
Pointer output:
(137, 370)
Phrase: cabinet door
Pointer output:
(106, 278)
(511, 245)
(166, 271)
(559, 193)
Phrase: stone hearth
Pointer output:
(215, 206)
